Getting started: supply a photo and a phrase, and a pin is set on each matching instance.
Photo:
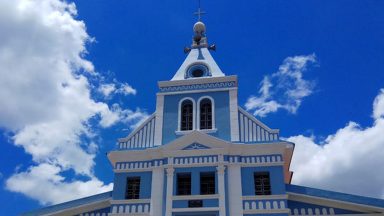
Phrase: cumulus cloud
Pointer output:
(284, 89)
(109, 89)
(127, 116)
(37, 180)
(47, 93)
(378, 106)
(349, 160)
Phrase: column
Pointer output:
(234, 113)
(157, 192)
(235, 190)
(159, 120)
(221, 187)
(168, 207)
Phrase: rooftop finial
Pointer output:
(199, 12)
(199, 39)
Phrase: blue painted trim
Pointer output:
(269, 214)
(96, 212)
(131, 208)
(201, 56)
(70, 204)
(198, 66)
(260, 142)
(206, 203)
(335, 195)
(140, 164)
(217, 85)
(195, 146)
(273, 204)
(205, 213)
(299, 206)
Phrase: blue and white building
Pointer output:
(201, 154)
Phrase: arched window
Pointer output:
(205, 114)
(186, 115)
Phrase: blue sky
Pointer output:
(71, 88)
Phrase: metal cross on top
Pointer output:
(199, 12)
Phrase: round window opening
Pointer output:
(197, 73)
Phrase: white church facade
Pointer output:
(201, 154)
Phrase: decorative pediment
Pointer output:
(195, 146)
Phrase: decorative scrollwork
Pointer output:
(198, 86)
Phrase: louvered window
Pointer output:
(186, 115)
(207, 183)
(133, 188)
(205, 114)
(262, 183)
(184, 184)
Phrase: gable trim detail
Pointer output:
(196, 146)
(142, 137)
(253, 130)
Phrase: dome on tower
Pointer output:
(199, 27)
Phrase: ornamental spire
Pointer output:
(199, 39)
(199, 13)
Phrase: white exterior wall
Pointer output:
(168, 205)
(157, 192)
(235, 190)
(233, 113)
(159, 120)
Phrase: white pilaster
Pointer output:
(168, 206)
(234, 112)
(157, 192)
(221, 187)
(235, 190)
(159, 120)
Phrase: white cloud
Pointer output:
(44, 183)
(284, 89)
(46, 93)
(349, 161)
(127, 116)
(116, 87)
(378, 106)
(126, 89)
(107, 89)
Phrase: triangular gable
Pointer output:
(306, 201)
(195, 146)
(201, 56)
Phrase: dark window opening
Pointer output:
(207, 183)
(195, 203)
(206, 114)
(133, 188)
(184, 184)
(197, 73)
(262, 183)
(186, 115)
